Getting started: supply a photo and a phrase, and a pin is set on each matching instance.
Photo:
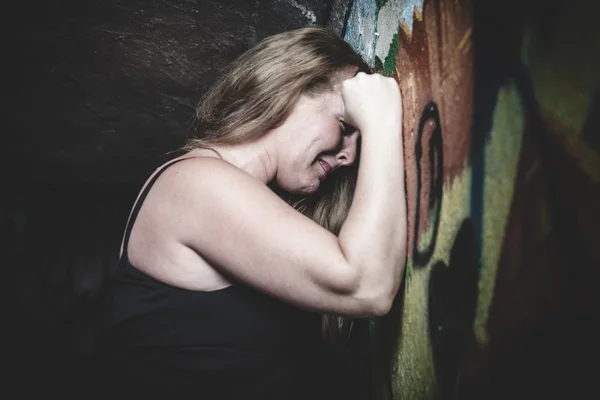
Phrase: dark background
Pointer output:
(101, 91)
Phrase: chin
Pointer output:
(302, 189)
(308, 191)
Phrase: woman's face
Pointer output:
(316, 142)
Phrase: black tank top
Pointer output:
(233, 343)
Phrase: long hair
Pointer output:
(257, 92)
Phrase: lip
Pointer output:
(326, 166)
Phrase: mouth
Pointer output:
(326, 166)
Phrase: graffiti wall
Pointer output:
(502, 154)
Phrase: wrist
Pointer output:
(383, 129)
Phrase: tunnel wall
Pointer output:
(501, 131)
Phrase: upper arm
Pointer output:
(240, 227)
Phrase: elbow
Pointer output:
(382, 306)
(379, 296)
(376, 303)
(368, 302)
(371, 297)
(386, 292)
(379, 299)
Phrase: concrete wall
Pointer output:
(501, 134)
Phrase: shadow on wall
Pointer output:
(113, 86)
(62, 242)
(541, 334)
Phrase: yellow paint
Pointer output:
(418, 14)
(465, 39)
(502, 154)
(426, 237)
(413, 374)
(413, 95)
(466, 50)
(564, 63)
(406, 31)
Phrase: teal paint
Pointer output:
(361, 29)
(380, 3)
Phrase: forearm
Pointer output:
(373, 238)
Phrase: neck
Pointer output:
(254, 158)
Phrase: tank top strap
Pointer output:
(138, 205)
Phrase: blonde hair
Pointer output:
(257, 92)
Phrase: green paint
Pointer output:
(427, 237)
(380, 3)
(389, 65)
(408, 272)
(378, 65)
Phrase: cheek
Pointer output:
(335, 139)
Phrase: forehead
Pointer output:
(322, 106)
(342, 75)
(334, 91)
(327, 101)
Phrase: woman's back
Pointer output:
(229, 343)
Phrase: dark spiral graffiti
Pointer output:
(453, 287)
(436, 179)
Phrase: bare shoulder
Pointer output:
(187, 187)
(172, 214)
(200, 192)
(206, 172)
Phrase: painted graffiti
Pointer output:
(430, 116)
(502, 164)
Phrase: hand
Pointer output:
(372, 103)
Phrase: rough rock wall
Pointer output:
(104, 91)
(107, 87)
(503, 183)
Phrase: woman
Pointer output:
(221, 283)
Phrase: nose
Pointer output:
(347, 155)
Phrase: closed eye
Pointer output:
(346, 128)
